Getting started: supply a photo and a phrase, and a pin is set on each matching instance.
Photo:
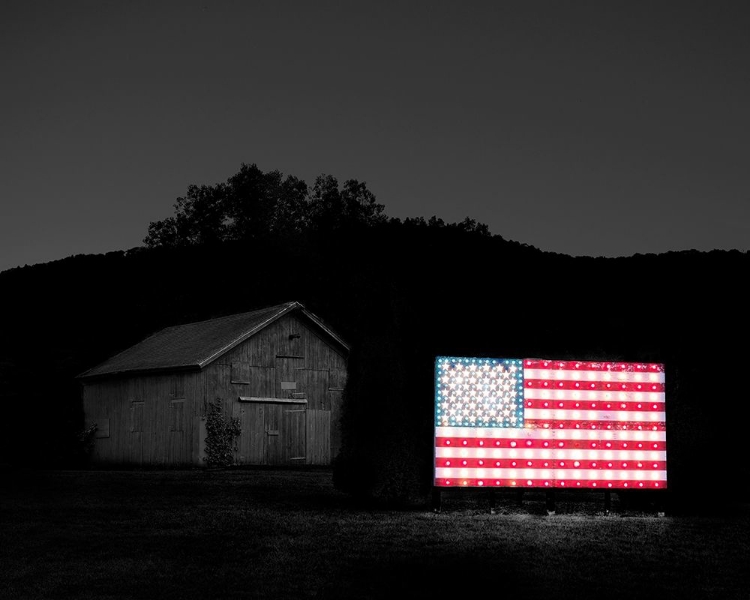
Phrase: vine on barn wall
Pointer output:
(84, 443)
(221, 435)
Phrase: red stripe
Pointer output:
(487, 463)
(541, 463)
(603, 386)
(594, 405)
(550, 483)
(461, 442)
(614, 425)
(580, 365)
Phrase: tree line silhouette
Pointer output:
(401, 292)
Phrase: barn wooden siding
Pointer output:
(145, 420)
(284, 383)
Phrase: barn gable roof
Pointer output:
(195, 345)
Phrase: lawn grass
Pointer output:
(258, 533)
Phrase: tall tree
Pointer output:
(253, 204)
(258, 203)
(200, 218)
(333, 207)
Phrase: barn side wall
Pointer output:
(145, 421)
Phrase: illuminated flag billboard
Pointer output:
(540, 423)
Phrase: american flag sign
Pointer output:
(542, 423)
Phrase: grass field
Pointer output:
(279, 534)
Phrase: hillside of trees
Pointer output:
(401, 292)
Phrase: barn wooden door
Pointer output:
(285, 429)
(272, 430)
(135, 443)
(294, 419)
(273, 433)
(292, 410)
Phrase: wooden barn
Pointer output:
(281, 370)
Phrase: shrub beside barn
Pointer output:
(280, 370)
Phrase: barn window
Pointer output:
(240, 372)
(176, 416)
(178, 386)
(136, 417)
(336, 379)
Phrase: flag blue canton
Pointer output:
(479, 392)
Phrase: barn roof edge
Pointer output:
(127, 363)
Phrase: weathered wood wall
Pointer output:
(285, 385)
(149, 420)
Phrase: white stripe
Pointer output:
(552, 394)
(490, 433)
(609, 474)
(521, 434)
(495, 453)
(552, 454)
(568, 474)
(585, 376)
(547, 414)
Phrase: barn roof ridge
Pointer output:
(275, 315)
(196, 344)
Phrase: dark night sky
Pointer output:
(586, 128)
